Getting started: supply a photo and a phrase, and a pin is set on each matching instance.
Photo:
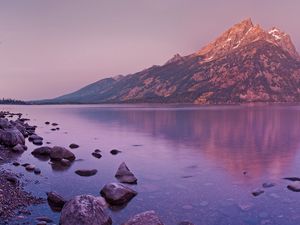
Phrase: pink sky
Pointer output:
(49, 48)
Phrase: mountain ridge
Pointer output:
(244, 64)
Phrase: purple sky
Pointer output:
(51, 47)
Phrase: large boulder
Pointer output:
(145, 218)
(20, 126)
(124, 175)
(4, 123)
(84, 210)
(59, 153)
(11, 137)
(117, 194)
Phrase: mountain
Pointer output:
(245, 64)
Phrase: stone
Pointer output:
(65, 162)
(97, 150)
(292, 178)
(84, 210)
(145, 218)
(11, 137)
(34, 137)
(268, 185)
(86, 173)
(115, 152)
(37, 171)
(59, 153)
(124, 175)
(16, 163)
(55, 199)
(96, 155)
(72, 146)
(44, 218)
(25, 164)
(19, 148)
(42, 151)
(37, 142)
(117, 194)
(54, 124)
(30, 167)
(257, 192)
(4, 123)
(295, 186)
(12, 179)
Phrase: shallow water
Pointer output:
(189, 161)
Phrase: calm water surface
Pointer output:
(189, 161)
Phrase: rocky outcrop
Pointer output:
(145, 218)
(84, 210)
(117, 194)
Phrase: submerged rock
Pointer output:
(37, 171)
(124, 175)
(72, 146)
(30, 167)
(295, 186)
(84, 210)
(16, 163)
(59, 153)
(115, 152)
(86, 173)
(117, 194)
(292, 178)
(268, 185)
(257, 192)
(145, 218)
(96, 155)
(44, 219)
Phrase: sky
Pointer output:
(52, 47)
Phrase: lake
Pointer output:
(196, 163)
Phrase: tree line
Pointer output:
(9, 101)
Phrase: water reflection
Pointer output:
(257, 139)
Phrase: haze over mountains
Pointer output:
(245, 64)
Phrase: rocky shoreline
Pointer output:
(84, 209)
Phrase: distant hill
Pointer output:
(244, 64)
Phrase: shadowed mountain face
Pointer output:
(245, 64)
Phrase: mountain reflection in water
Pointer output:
(258, 139)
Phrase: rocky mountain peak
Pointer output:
(284, 41)
(244, 33)
(177, 57)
